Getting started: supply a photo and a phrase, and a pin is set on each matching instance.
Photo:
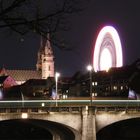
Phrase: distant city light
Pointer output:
(108, 50)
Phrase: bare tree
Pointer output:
(39, 16)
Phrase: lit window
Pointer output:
(96, 83)
(64, 96)
(115, 87)
(121, 87)
(94, 94)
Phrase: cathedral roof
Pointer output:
(24, 75)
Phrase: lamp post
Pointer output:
(56, 84)
(89, 68)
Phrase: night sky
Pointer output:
(20, 52)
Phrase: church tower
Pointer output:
(45, 62)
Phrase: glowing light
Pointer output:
(43, 104)
(108, 38)
(57, 75)
(24, 115)
(89, 67)
(86, 108)
(105, 60)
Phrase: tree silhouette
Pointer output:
(39, 16)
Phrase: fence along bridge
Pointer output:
(81, 117)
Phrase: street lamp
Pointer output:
(56, 83)
(89, 68)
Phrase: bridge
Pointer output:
(74, 119)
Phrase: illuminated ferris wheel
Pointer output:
(108, 50)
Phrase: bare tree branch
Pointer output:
(23, 16)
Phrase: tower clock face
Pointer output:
(108, 51)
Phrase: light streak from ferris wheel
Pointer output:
(108, 50)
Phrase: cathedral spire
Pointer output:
(45, 61)
(45, 41)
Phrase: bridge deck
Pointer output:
(68, 103)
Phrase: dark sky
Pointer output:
(20, 52)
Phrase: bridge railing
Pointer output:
(74, 106)
(67, 103)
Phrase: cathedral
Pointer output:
(44, 66)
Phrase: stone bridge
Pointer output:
(72, 123)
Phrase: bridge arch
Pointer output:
(55, 126)
(124, 129)
(22, 129)
(104, 119)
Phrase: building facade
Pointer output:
(121, 82)
(44, 66)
